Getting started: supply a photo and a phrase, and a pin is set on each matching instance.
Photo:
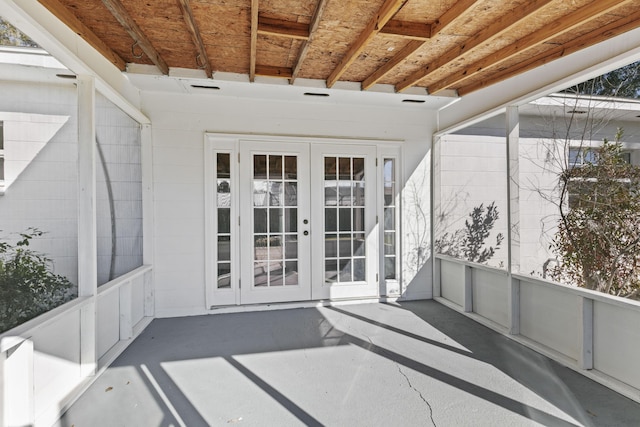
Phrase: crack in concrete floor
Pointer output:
(419, 394)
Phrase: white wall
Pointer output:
(179, 124)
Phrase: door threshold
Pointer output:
(296, 304)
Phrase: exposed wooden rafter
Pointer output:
(456, 11)
(384, 15)
(553, 29)
(279, 27)
(616, 28)
(304, 49)
(271, 71)
(120, 13)
(407, 30)
(71, 21)
(254, 40)
(192, 26)
(493, 30)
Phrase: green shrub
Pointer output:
(28, 286)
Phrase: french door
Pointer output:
(274, 216)
(306, 223)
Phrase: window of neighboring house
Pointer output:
(582, 156)
(579, 156)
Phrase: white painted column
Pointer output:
(147, 217)
(513, 216)
(436, 195)
(87, 240)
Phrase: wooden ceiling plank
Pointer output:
(71, 21)
(493, 30)
(454, 12)
(271, 71)
(553, 29)
(458, 10)
(384, 15)
(120, 13)
(616, 28)
(304, 49)
(407, 30)
(192, 26)
(399, 57)
(254, 40)
(279, 27)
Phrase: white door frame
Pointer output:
(232, 144)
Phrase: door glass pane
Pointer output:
(275, 242)
(260, 167)
(330, 169)
(291, 247)
(223, 167)
(223, 213)
(224, 220)
(291, 193)
(290, 167)
(291, 220)
(259, 220)
(275, 167)
(344, 202)
(390, 212)
(259, 193)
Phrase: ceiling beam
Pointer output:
(492, 31)
(254, 40)
(192, 26)
(459, 8)
(280, 27)
(456, 11)
(71, 21)
(271, 71)
(304, 49)
(616, 28)
(120, 13)
(384, 15)
(407, 30)
(399, 57)
(553, 29)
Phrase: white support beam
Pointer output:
(87, 240)
(436, 195)
(513, 189)
(147, 217)
(513, 215)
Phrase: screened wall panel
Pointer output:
(118, 191)
(38, 201)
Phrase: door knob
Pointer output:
(306, 221)
(306, 233)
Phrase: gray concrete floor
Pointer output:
(406, 364)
